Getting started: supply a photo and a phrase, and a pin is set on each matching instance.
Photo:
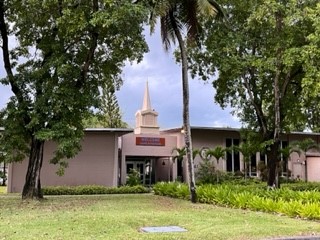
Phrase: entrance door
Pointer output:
(139, 166)
(144, 166)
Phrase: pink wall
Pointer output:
(97, 163)
(313, 167)
(129, 148)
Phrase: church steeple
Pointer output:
(146, 105)
(146, 118)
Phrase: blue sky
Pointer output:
(164, 78)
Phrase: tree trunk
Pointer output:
(277, 105)
(4, 175)
(32, 186)
(186, 118)
(272, 157)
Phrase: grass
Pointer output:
(3, 189)
(121, 217)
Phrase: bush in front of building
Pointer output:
(302, 186)
(304, 204)
(172, 189)
(93, 189)
(133, 178)
(208, 174)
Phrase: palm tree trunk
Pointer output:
(186, 118)
(32, 186)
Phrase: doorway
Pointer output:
(144, 166)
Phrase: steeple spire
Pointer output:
(146, 105)
(146, 118)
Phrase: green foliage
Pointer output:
(61, 80)
(175, 189)
(108, 114)
(258, 56)
(180, 153)
(2, 174)
(305, 204)
(303, 186)
(262, 167)
(93, 189)
(71, 51)
(218, 153)
(206, 172)
(133, 178)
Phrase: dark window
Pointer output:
(284, 144)
(229, 155)
(236, 157)
(233, 158)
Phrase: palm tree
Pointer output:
(218, 153)
(176, 18)
(286, 156)
(181, 153)
(249, 147)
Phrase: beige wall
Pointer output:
(97, 163)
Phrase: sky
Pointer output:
(165, 87)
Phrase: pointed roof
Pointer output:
(146, 105)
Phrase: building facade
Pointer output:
(108, 155)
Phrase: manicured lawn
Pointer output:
(121, 216)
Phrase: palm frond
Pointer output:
(189, 12)
(211, 7)
(180, 153)
(167, 32)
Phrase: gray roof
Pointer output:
(124, 130)
(177, 129)
(109, 130)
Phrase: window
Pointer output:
(284, 161)
(233, 157)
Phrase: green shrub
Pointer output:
(303, 186)
(133, 178)
(241, 200)
(206, 173)
(305, 204)
(93, 189)
(310, 211)
(173, 189)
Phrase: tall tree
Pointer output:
(260, 65)
(311, 56)
(176, 18)
(108, 114)
(65, 51)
